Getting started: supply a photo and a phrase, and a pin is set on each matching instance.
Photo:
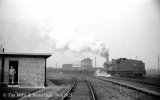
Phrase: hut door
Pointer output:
(13, 72)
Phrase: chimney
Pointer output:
(107, 58)
(95, 63)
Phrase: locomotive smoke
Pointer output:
(81, 44)
(73, 41)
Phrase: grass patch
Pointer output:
(61, 82)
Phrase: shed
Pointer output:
(67, 66)
(23, 69)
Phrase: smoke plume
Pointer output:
(75, 41)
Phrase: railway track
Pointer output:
(80, 90)
(121, 84)
(138, 83)
(143, 81)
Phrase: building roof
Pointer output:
(109, 62)
(86, 59)
(66, 64)
(46, 55)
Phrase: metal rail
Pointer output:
(130, 86)
(92, 94)
(66, 96)
(91, 90)
(142, 81)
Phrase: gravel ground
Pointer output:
(81, 91)
(135, 83)
(11, 93)
(110, 91)
(62, 81)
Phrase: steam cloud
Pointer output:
(73, 41)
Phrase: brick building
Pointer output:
(23, 69)
(86, 63)
(67, 66)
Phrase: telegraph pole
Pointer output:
(56, 64)
(158, 64)
(95, 62)
(1, 49)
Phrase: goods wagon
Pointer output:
(124, 67)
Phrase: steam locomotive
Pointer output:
(124, 67)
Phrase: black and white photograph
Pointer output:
(80, 49)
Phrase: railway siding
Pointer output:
(81, 89)
(91, 90)
(150, 92)
(137, 80)
(68, 93)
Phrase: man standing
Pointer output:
(12, 73)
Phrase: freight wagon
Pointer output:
(124, 67)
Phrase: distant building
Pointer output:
(86, 63)
(67, 66)
(23, 69)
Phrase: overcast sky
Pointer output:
(128, 28)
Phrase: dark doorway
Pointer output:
(13, 72)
